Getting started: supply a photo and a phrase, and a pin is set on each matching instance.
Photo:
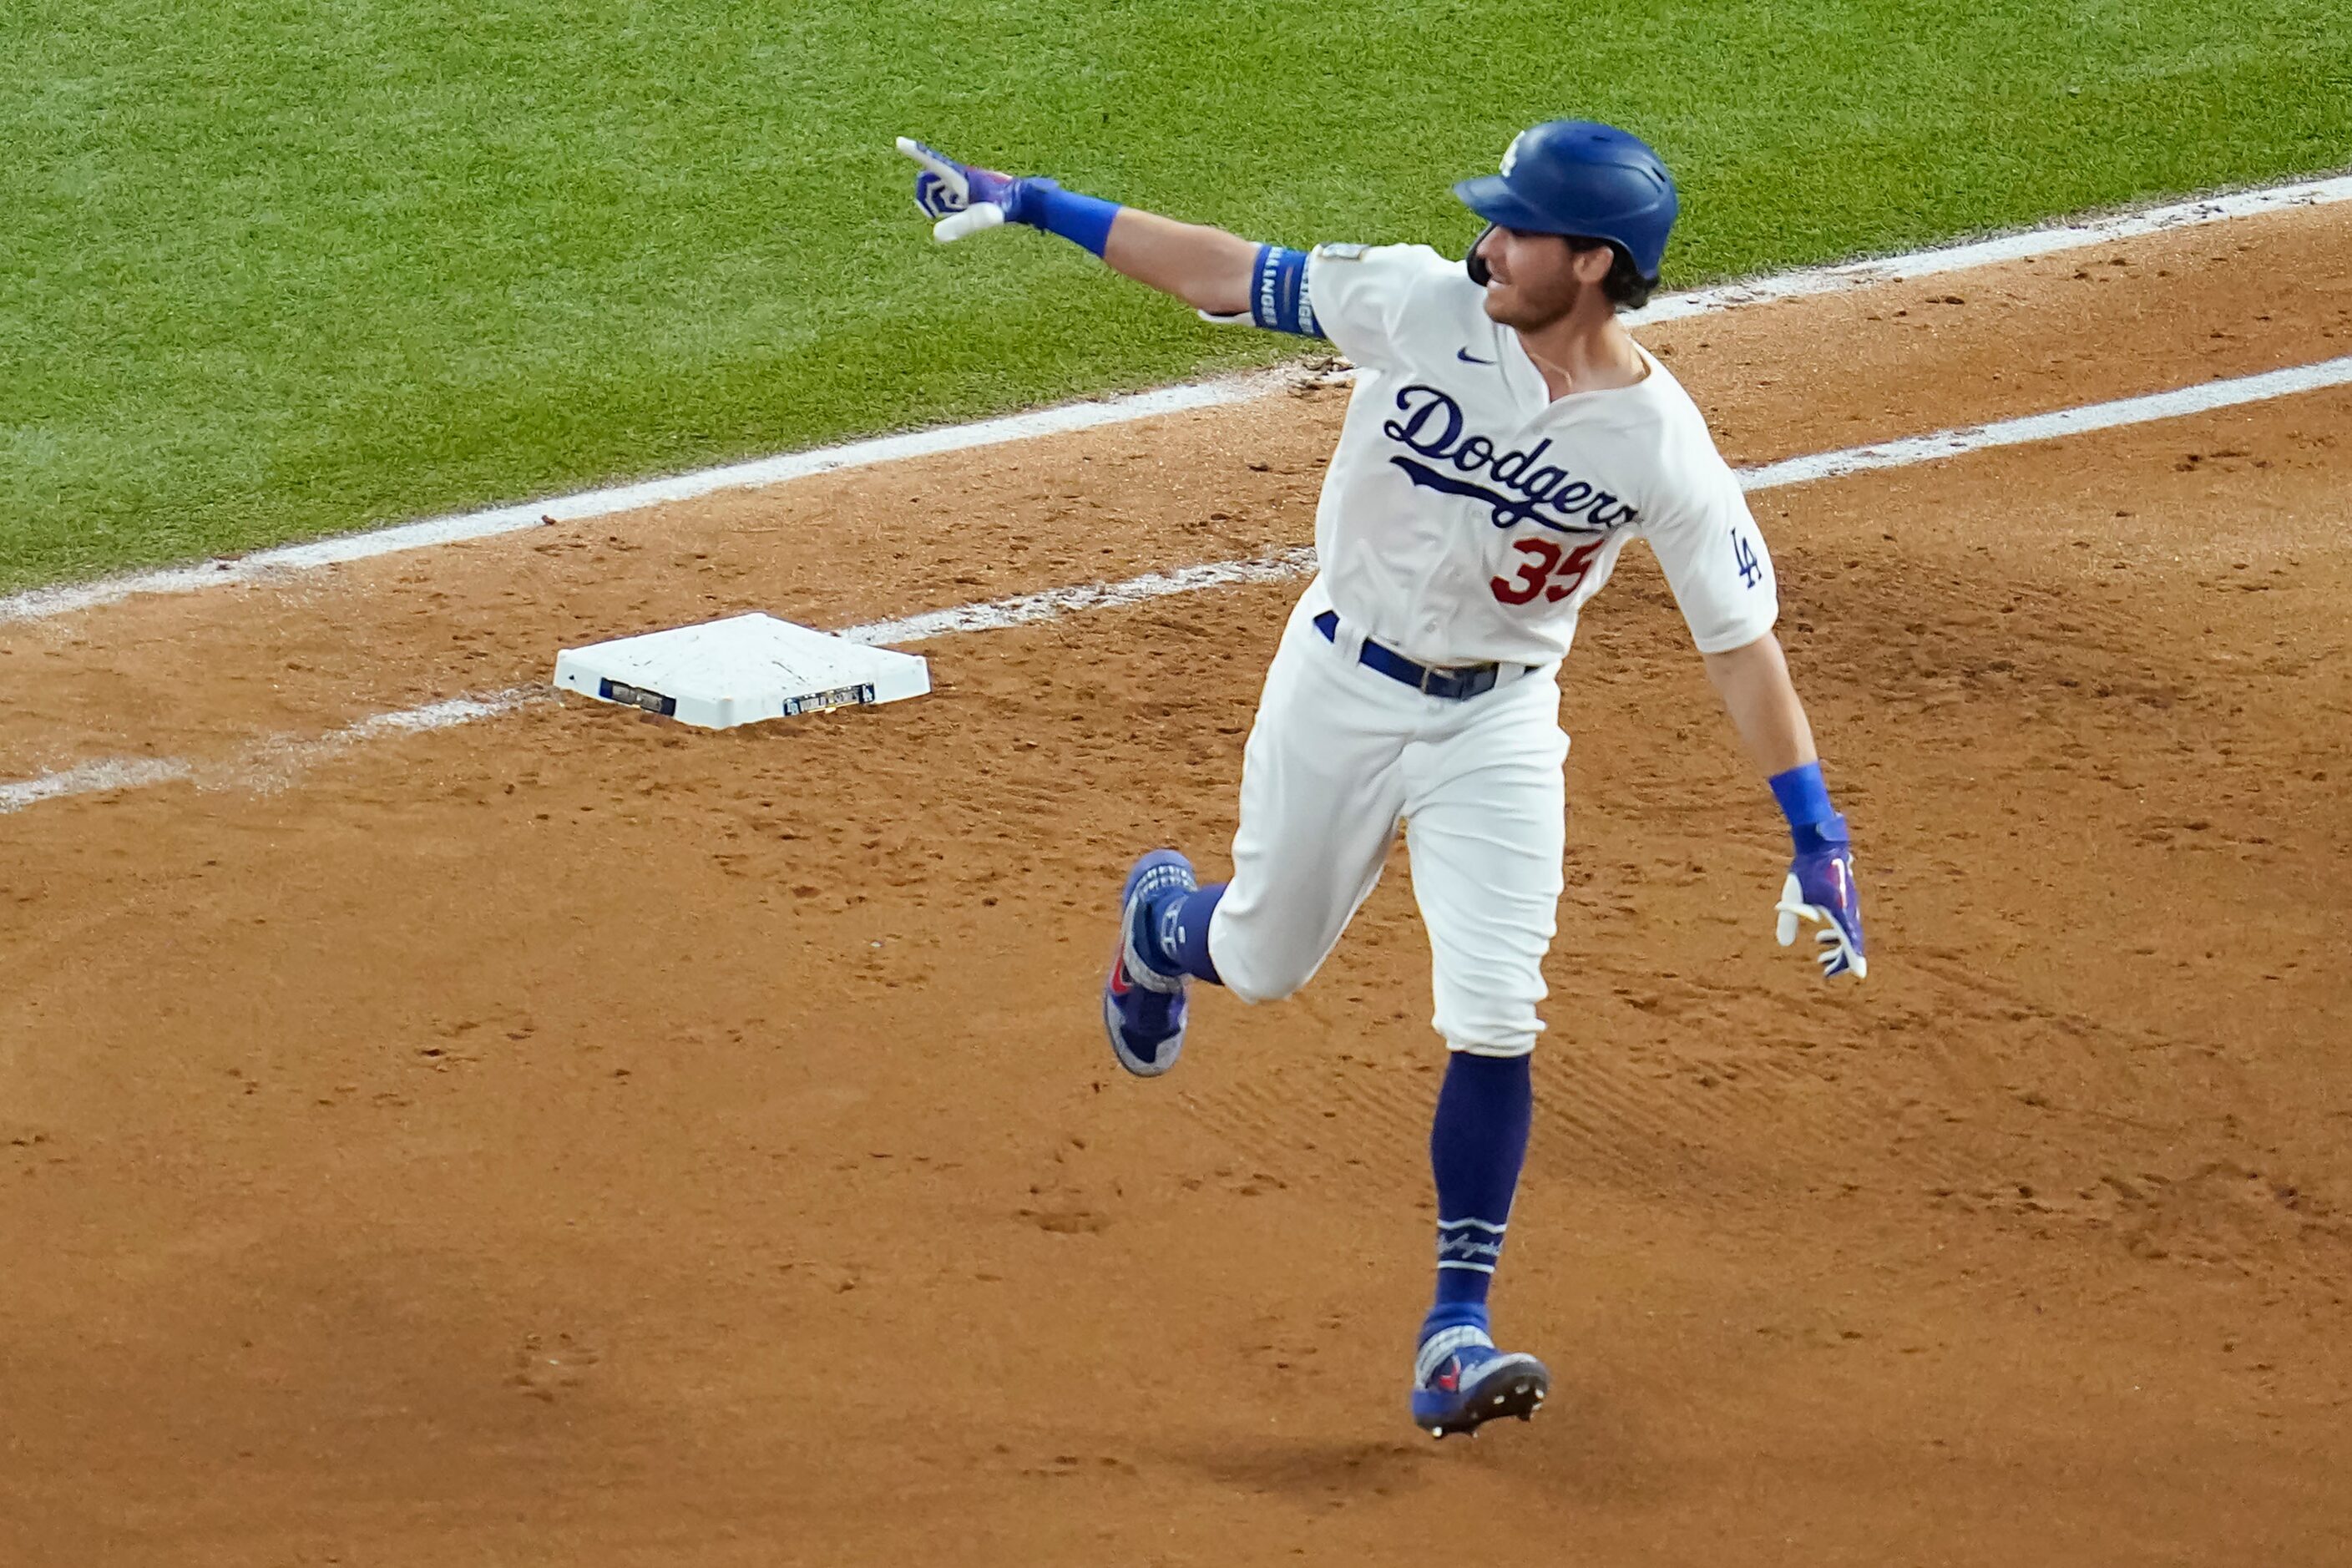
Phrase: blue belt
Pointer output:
(1454, 685)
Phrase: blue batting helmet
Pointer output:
(1582, 178)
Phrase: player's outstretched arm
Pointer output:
(1754, 683)
(1211, 270)
(1206, 268)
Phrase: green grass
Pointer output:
(271, 268)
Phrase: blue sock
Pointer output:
(1177, 933)
(1476, 1146)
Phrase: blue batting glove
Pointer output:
(964, 199)
(1819, 891)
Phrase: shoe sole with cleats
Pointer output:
(1508, 1385)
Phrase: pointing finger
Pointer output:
(946, 172)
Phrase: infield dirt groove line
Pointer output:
(273, 758)
(1066, 418)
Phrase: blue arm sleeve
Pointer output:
(1278, 298)
(1084, 221)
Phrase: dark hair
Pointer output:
(1624, 287)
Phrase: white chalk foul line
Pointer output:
(92, 778)
(2020, 247)
(2200, 399)
(1056, 602)
(267, 763)
(41, 603)
(276, 759)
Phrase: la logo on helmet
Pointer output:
(1511, 153)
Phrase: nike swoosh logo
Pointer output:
(1466, 357)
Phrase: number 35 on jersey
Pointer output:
(1548, 570)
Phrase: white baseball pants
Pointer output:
(1338, 756)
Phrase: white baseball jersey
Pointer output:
(1465, 518)
(1467, 515)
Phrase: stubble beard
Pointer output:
(1516, 308)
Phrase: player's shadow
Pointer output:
(1593, 1459)
(1311, 1467)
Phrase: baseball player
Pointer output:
(1506, 438)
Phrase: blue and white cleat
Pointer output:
(1461, 1382)
(1143, 1009)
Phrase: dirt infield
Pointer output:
(574, 1140)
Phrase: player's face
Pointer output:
(1536, 279)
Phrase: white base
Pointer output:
(739, 671)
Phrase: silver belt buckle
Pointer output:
(1457, 673)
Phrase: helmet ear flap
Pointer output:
(1475, 264)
